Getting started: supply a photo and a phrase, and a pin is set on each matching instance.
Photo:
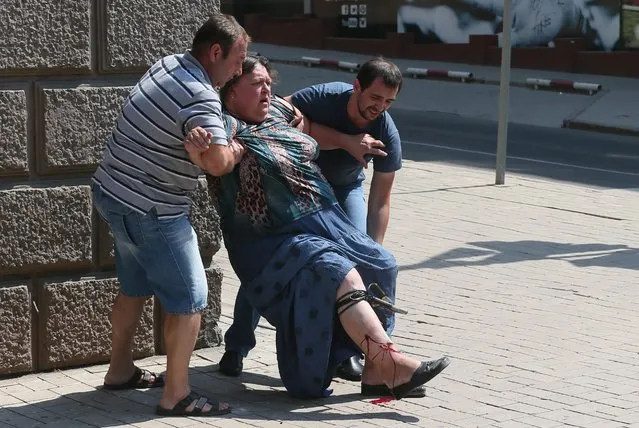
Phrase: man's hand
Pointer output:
(297, 121)
(197, 140)
(362, 145)
(216, 159)
(238, 150)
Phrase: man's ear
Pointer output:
(356, 86)
(215, 52)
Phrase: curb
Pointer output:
(466, 76)
(463, 76)
(415, 73)
(585, 88)
(595, 127)
(331, 63)
(590, 88)
(497, 82)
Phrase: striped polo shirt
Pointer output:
(145, 164)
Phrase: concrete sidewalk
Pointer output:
(531, 288)
(614, 109)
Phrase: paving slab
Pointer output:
(529, 287)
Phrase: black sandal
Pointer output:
(374, 295)
(141, 379)
(425, 372)
(200, 401)
(369, 390)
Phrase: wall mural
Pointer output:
(535, 22)
(630, 23)
(605, 24)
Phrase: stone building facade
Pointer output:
(66, 67)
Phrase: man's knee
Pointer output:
(387, 258)
(176, 272)
(181, 327)
(187, 302)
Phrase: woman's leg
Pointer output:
(363, 326)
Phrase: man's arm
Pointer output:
(382, 183)
(206, 140)
(328, 138)
(216, 159)
(379, 199)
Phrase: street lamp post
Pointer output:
(504, 94)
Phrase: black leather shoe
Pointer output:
(351, 369)
(231, 364)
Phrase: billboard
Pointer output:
(535, 22)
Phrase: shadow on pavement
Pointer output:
(252, 396)
(485, 253)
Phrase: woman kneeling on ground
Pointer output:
(303, 264)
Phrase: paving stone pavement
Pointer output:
(530, 287)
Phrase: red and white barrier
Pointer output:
(414, 72)
(350, 66)
(591, 88)
(446, 74)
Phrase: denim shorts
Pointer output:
(155, 256)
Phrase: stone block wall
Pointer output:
(66, 67)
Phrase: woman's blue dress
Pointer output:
(291, 247)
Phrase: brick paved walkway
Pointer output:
(530, 287)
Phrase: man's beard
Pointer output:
(365, 112)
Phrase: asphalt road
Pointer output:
(554, 153)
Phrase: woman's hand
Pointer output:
(238, 150)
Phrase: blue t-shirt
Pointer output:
(326, 104)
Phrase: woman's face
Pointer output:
(251, 95)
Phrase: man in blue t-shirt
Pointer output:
(357, 111)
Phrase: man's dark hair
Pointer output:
(220, 28)
(249, 64)
(379, 67)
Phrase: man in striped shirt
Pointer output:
(142, 189)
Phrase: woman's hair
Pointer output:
(249, 64)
